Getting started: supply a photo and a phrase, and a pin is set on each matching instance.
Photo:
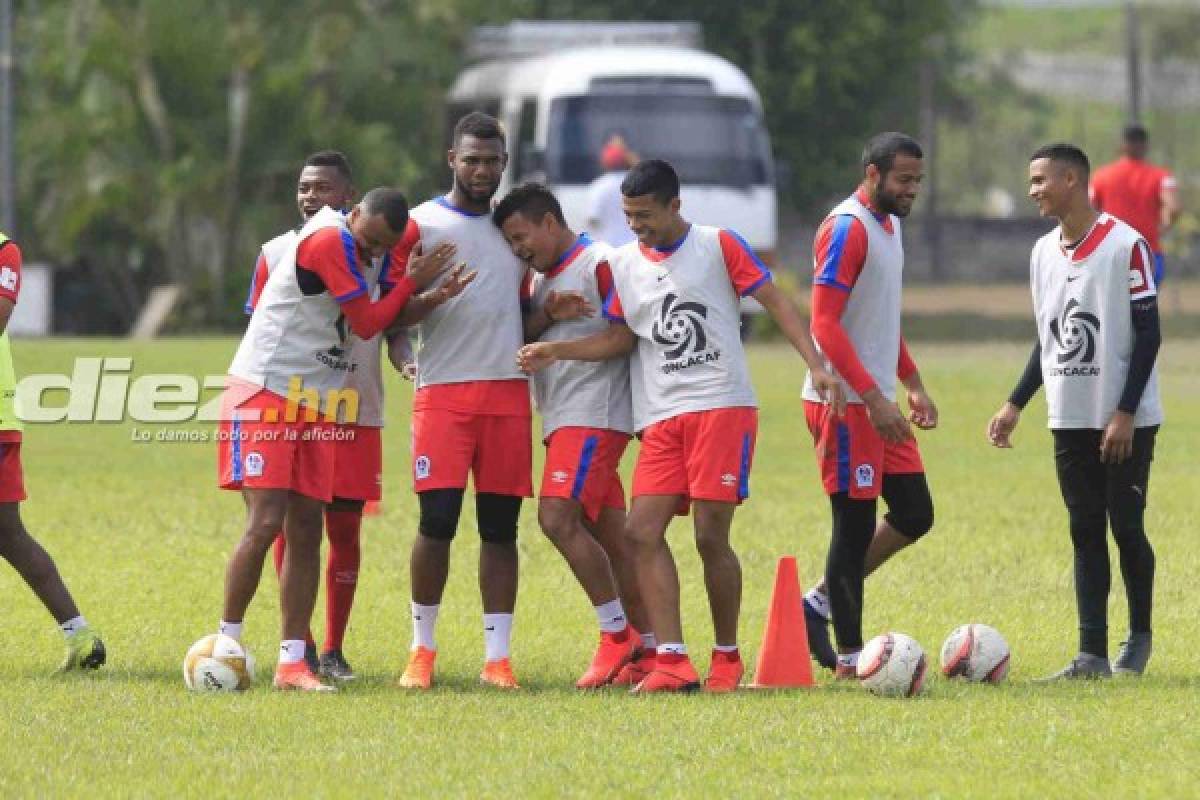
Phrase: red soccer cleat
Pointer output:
(298, 677)
(499, 674)
(615, 651)
(670, 674)
(419, 672)
(726, 672)
(641, 664)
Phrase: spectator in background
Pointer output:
(606, 219)
(1138, 193)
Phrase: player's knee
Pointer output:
(910, 506)
(497, 517)
(439, 513)
(640, 534)
(912, 523)
(558, 520)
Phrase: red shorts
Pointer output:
(581, 464)
(358, 463)
(12, 480)
(853, 457)
(496, 450)
(703, 455)
(259, 454)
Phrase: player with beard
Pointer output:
(1096, 306)
(471, 411)
(869, 451)
(326, 180)
(587, 420)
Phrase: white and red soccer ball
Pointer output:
(892, 664)
(977, 653)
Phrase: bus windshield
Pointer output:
(709, 139)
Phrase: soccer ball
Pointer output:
(892, 664)
(218, 663)
(975, 652)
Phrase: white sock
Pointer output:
(291, 651)
(672, 648)
(726, 648)
(424, 621)
(72, 626)
(612, 616)
(819, 601)
(497, 631)
(849, 659)
(232, 629)
(649, 641)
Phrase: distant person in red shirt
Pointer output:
(1139, 193)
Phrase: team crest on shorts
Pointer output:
(254, 464)
(559, 476)
(421, 467)
(864, 475)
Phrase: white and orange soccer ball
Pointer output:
(977, 653)
(218, 663)
(892, 664)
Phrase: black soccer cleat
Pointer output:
(819, 644)
(335, 667)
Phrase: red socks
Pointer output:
(341, 573)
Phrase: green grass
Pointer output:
(142, 536)
(1007, 29)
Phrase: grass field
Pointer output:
(142, 536)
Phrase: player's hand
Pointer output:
(886, 418)
(1117, 443)
(1002, 424)
(535, 356)
(458, 280)
(401, 355)
(922, 411)
(423, 269)
(830, 389)
(564, 306)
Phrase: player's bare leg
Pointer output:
(723, 580)
(429, 567)
(609, 530)
(301, 563)
(563, 522)
(266, 510)
(658, 578)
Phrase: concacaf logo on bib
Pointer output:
(1075, 332)
(680, 329)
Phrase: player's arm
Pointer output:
(1004, 421)
(1117, 443)
(10, 281)
(617, 340)
(1168, 194)
(839, 254)
(557, 307)
(258, 279)
(923, 412)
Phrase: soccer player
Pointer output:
(326, 180)
(1096, 307)
(1138, 193)
(859, 262)
(293, 353)
(587, 419)
(471, 410)
(28, 558)
(675, 305)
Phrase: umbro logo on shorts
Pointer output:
(728, 479)
(559, 476)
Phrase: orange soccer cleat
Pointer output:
(675, 675)
(298, 677)
(614, 652)
(726, 672)
(641, 664)
(498, 673)
(419, 672)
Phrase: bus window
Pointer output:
(711, 140)
(523, 150)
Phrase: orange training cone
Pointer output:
(783, 659)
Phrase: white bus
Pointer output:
(561, 89)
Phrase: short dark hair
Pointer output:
(883, 148)
(652, 176)
(1135, 134)
(479, 125)
(533, 200)
(331, 158)
(1064, 153)
(388, 202)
